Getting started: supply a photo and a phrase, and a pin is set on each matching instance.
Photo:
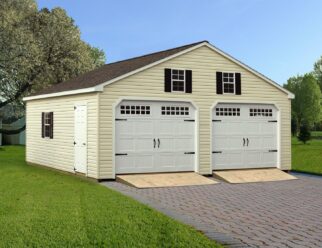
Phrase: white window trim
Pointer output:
(223, 84)
(184, 81)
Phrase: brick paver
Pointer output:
(270, 214)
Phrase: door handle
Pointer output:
(159, 143)
(84, 144)
(243, 141)
(153, 143)
(247, 141)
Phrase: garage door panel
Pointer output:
(228, 160)
(125, 145)
(125, 128)
(131, 163)
(184, 127)
(166, 127)
(269, 159)
(224, 142)
(143, 127)
(252, 159)
(184, 144)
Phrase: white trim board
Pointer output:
(101, 86)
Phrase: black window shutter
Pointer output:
(43, 125)
(188, 81)
(238, 83)
(167, 80)
(219, 82)
(51, 115)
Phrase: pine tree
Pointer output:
(304, 134)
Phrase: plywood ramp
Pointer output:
(164, 180)
(253, 175)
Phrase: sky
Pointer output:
(279, 38)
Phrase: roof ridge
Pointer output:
(153, 53)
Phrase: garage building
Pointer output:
(191, 108)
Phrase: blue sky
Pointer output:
(279, 38)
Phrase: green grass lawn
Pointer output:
(307, 158)
(44, 208)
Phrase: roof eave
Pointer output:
(97, 88)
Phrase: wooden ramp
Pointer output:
(164, 180)
(253, 175)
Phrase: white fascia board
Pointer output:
(289, 94)
(64, 93)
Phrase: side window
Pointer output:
(228, 83)
(47, 124)
(177, 80)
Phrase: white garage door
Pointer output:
(154, 137)
(244, 136)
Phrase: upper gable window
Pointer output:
(228, 80)
(177, 80)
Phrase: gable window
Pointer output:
(228, 83)
(228, 80)
(47, 124)
(177, 80)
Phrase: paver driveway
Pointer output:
(270, 214)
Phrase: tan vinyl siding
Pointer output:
(58, 152)
(204, 63)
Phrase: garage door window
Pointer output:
(263, 112)
(174, 110)
(228, 111)
(135, 110)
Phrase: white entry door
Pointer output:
(80, 138)
(154, 137)
(244, 136)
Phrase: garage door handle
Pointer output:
(159, 143)
(153, 143)
(243, 141)
(247, 141)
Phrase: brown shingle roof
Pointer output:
(110, 71)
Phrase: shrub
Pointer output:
(304, 134)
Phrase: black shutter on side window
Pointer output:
(219, 82)
(51, 125)
(43, 125)
(188, 81)
(167, 80)
(238, 83)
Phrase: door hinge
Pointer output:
(216, 120)
(189, 120)
(272, 150)
(217, 152)
(74, 143)
(120, 154)
(189, 153)
(74, 107)
(272, 121)
(121, 119)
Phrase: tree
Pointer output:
(306, 107)
(304, 134)
(317, 72)
(39, 48)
